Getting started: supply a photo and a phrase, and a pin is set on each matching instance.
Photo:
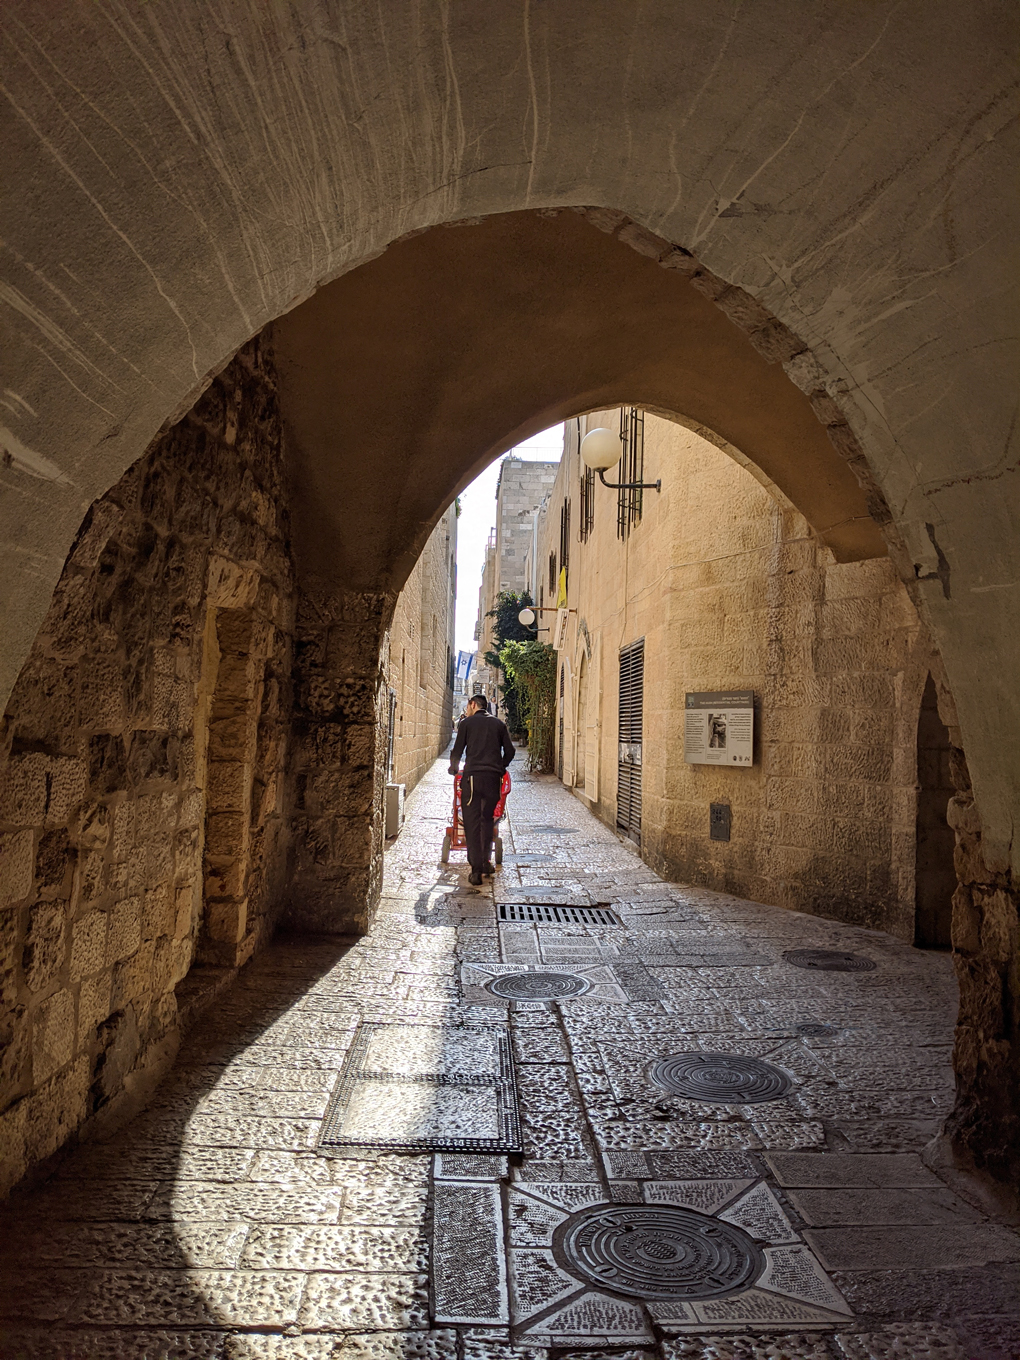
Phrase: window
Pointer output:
(565, 535)
(552, 576)
(587, 495)
(632, 469)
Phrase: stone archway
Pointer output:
(804, 157)
(163, 210)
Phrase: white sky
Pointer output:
(477, 517)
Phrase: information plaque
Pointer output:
(719, 727)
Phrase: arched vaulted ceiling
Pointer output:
(404, 378)
(178, 176)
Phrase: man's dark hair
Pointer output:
(481, 701)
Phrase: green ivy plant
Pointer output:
(532, 668)
(508, 628)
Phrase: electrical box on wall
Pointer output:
(719, 821)
(394, 809)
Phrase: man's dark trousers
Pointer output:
(479, 794)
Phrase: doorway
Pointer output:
(581, 719)
(935, 874)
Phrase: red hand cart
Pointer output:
(455, 839)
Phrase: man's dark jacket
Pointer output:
(489, 748)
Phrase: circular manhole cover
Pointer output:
(729, 1078)
(658, 1252)
(813, 1029)
(538, 986)
(829, 960)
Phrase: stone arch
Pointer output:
(154, 250)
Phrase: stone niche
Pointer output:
(141, 790)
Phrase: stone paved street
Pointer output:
(798, 1212)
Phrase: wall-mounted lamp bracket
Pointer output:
(630, 486)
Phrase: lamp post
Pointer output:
(602, 449)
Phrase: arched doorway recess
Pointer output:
(935, 874)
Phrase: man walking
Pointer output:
(489, 752)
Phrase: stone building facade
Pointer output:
(419, 659)
(521, 489)
(730, 590)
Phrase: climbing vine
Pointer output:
(508, 628)
(532, 668)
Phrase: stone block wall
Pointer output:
(337, 766)
(730, 589)
(522, 487)
(418, 657)
(141, 792)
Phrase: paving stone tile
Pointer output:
(254, 1298)
(903, 1170)
(133, 1244)
(888, 1206)
(305, 1169)
(889, 1135)
(121, 1343)
(921, 1341)
(865, 1248)
(252, 1203)
(43, 1294)
(352, 1302)
(266, 1103)
(278, 1346)
(941, 1295)
(382, 1196)
(217, 1130)
(329, 1248)
(746, 1346)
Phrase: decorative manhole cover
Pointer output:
(658, 1252)
(729, 1078)
(829, 960)
(538, 986)
(812, 1029)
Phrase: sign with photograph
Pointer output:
(719, 727)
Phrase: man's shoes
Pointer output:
(475, 878)
(489, 869)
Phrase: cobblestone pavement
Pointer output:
(720, 1148)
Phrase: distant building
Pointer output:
(522, 488)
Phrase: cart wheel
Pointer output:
(499, 849)
(445, 856)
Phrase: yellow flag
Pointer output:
(561, 593)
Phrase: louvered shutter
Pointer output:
(632, 698)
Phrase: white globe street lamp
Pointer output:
(602, 449)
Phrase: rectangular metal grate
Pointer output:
(426, 1088)
(555, 913)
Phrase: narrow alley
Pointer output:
(706, 1144)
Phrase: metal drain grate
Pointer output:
(538, 986)
(658, 1252)
(730, 1078)
(556, 914)
(829, 960)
